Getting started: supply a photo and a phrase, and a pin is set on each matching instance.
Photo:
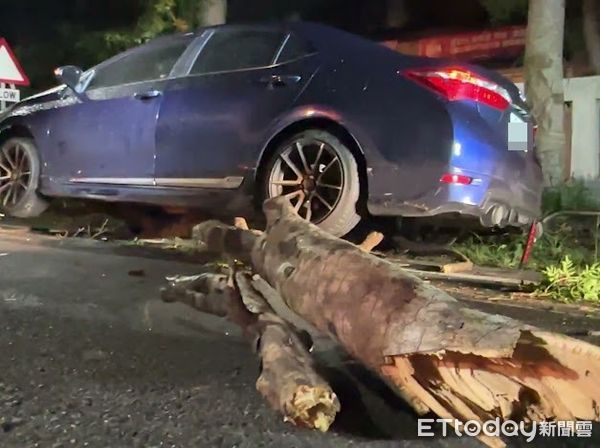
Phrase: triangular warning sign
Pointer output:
(10, 69)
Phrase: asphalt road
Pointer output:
(90, 357)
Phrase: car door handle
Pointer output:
(147, 95)
(279, 80)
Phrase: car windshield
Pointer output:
(152, 61)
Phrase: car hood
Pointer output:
(42, 97)
(40, 101)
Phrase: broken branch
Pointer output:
(288, 378)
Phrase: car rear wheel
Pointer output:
(319, 175)
(19, 177)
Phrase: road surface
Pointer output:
(90, 357)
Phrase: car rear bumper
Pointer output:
(493, 201)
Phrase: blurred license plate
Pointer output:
(518, 134)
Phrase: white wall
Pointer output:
(584, 94)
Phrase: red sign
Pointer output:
(501, 42)
(11, 71)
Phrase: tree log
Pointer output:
(440, 355)
(288, 378)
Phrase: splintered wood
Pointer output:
(437, 354)
(372, 240)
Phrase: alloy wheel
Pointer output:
(15, 174)
(309, 173)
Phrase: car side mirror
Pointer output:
(69, 75)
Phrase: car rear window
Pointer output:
(238, 50)
(150, 62)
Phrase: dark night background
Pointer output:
(46, 34)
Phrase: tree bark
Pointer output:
(213, 12)
(544, 84)
(591, 32)
(439, 355)
(288, 379)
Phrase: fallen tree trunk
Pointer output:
(438, 354)
(288, 378)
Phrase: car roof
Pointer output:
(321, 35)
(323, 38)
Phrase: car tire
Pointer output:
(325, 164)
(19, 195)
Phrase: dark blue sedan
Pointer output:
(225, 117)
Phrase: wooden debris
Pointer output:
(372, 240)
(462, 266)
(288, 378)
(479, 278)
(208, 292)
(442, 266)
(241, 223)
(440, 355)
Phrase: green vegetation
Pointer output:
(160, 17)
(573, 195)
(505, 250)
(570, 269)
(510, 12)
(566, 254)
(74, 42)
(506, 11)
(569, 283)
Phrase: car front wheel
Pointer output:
(319, 175)
(19, 177)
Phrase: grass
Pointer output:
(570, 269)
(505, 250)
(566, 254)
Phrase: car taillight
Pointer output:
(449, 178)
(458, 84)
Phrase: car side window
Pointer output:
(237, 50)
(154, 61)
(294, 48)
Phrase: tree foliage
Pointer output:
(506, 11)
(73, 42)
(591, 32)
(160, 17)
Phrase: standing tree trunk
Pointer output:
(591, 32)
(212, 12)
(544, 83)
